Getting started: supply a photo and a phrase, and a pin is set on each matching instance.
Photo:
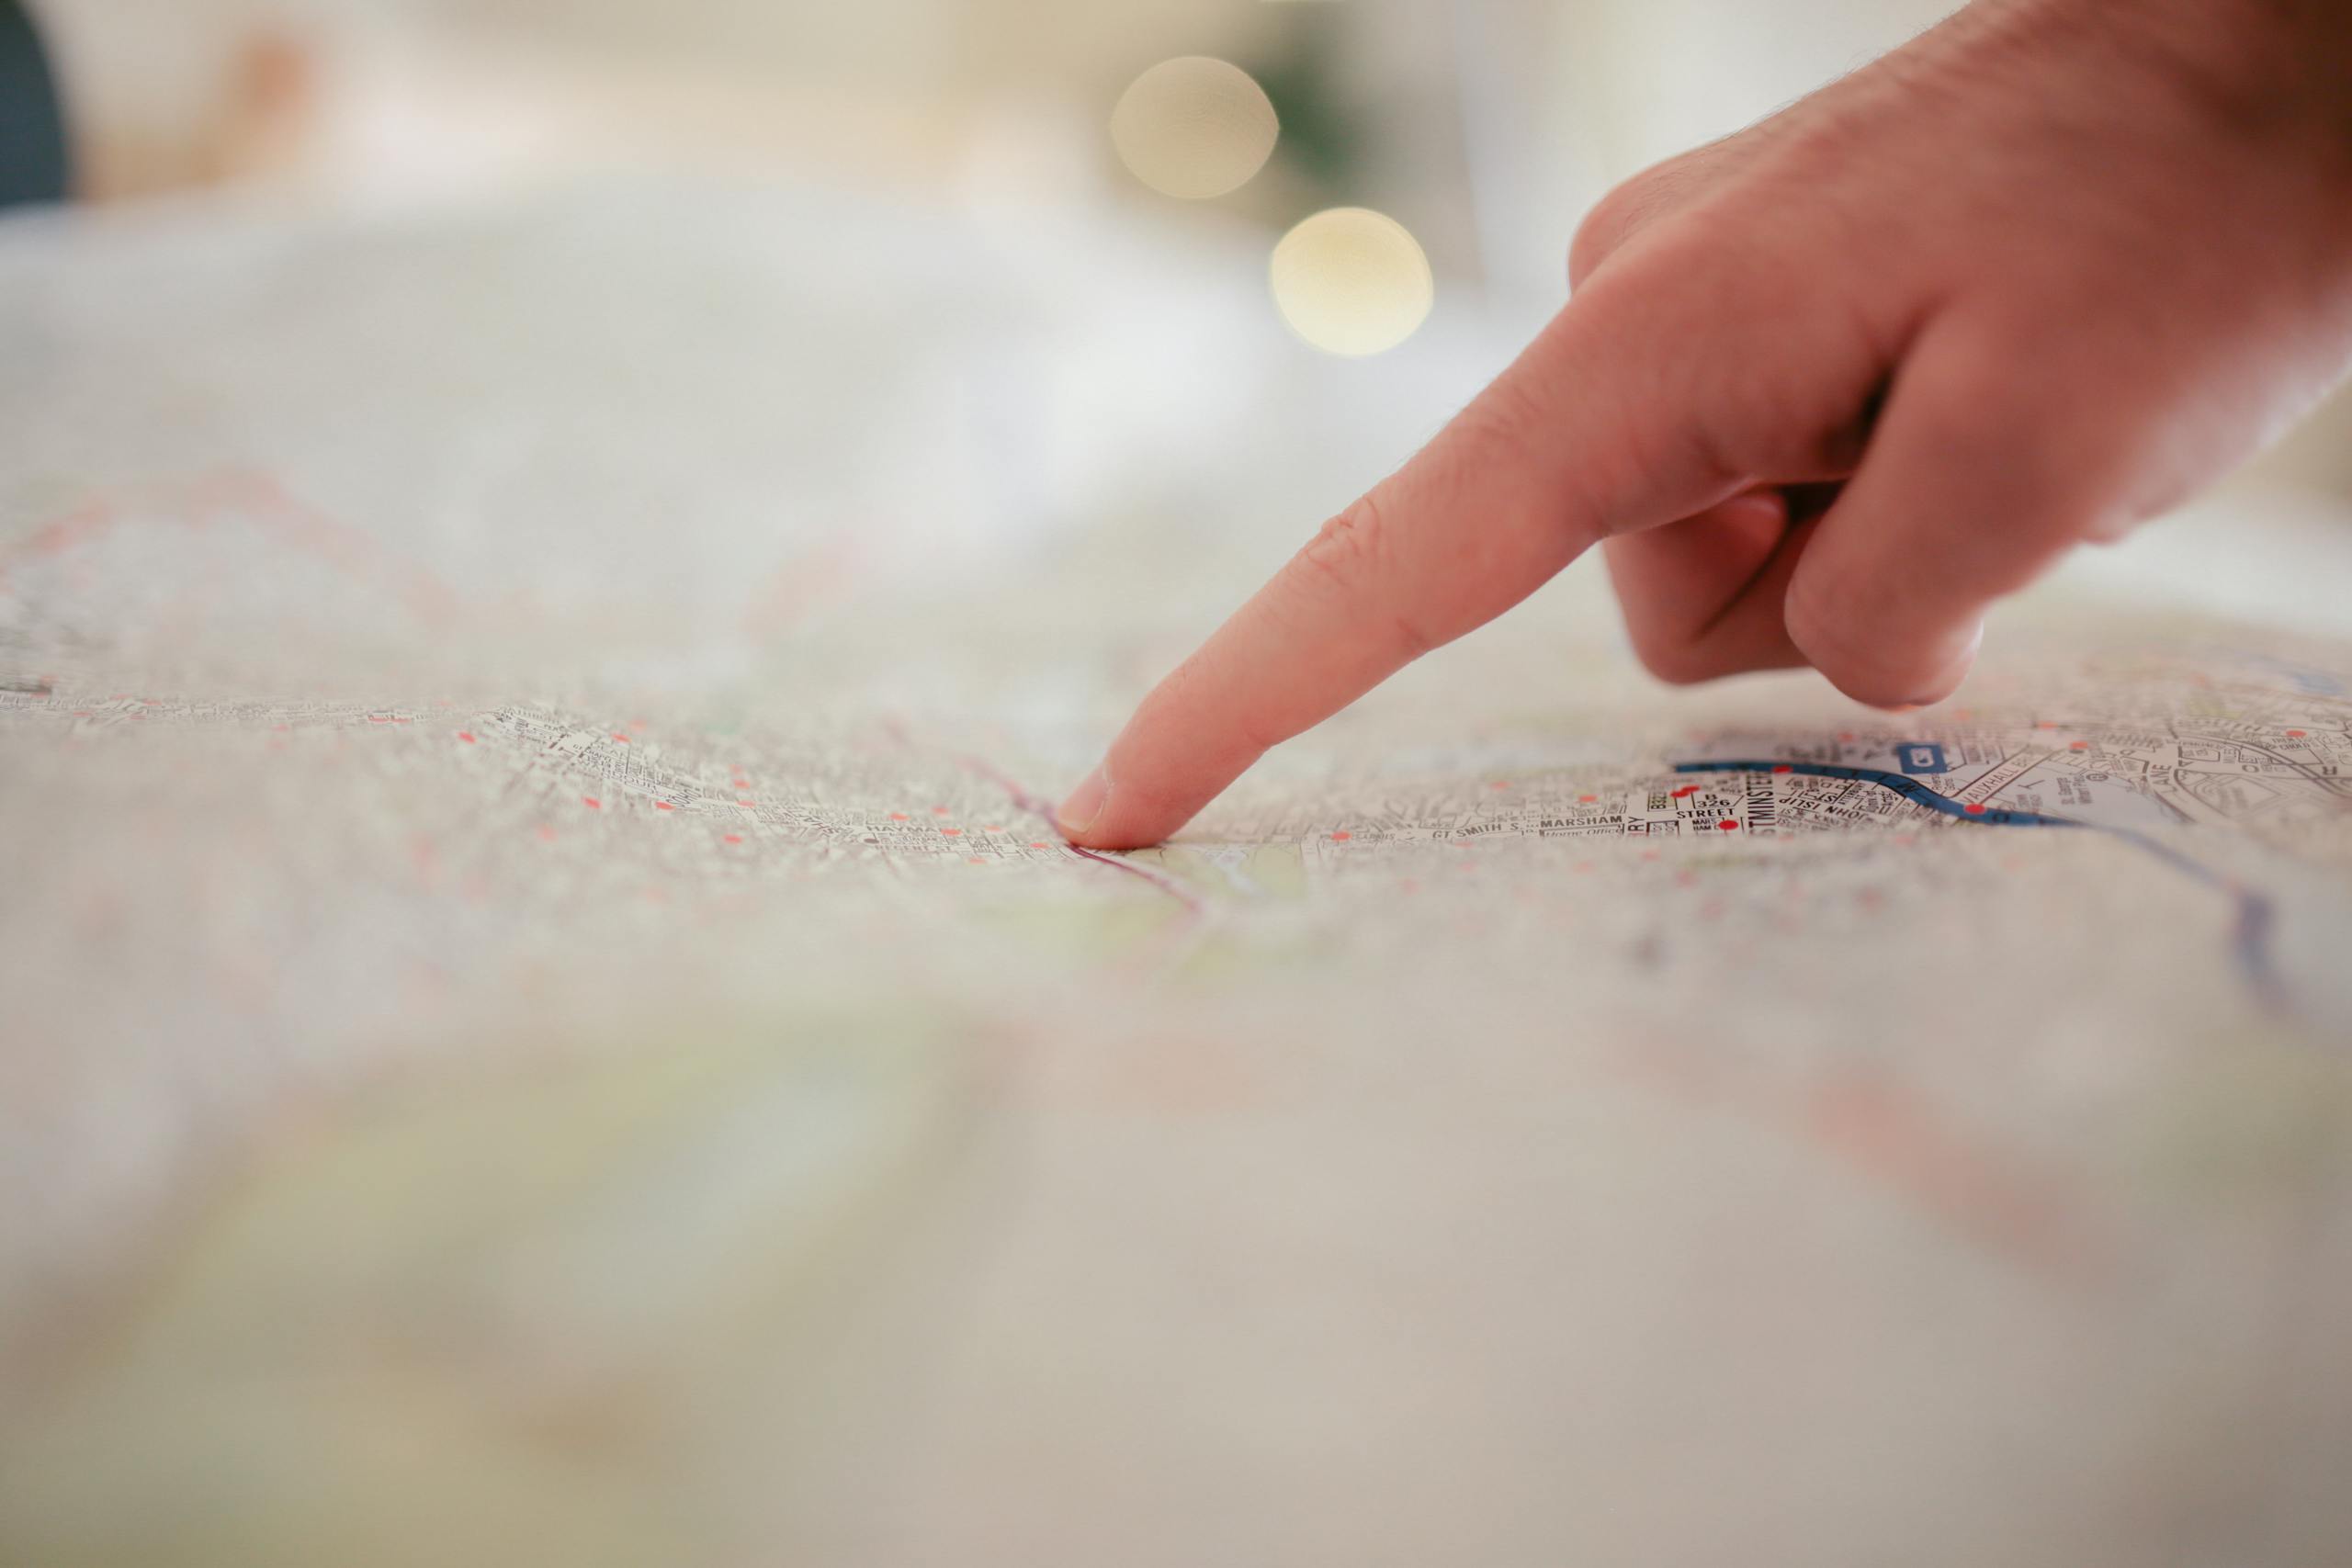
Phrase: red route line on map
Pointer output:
(261, 499)
(2007, 1204)
(1024, 801)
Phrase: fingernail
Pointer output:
(1084, 805)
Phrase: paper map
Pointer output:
(546, 1019)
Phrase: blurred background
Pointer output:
(1484, 129)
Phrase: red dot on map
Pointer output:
(1727, 824)
(591, 803)
(619, 736)
(734, 838)
(2294, 734)
(1780, 768)
(1036, 845)
(1340, 836)
(939, 811)
(664, 805)
(2078, 745)
(1587, 799)
(977, 860)
(1975, 808)
(995, 828)
(898, 817)
(1845, 735)
(953, 832)
(466, 735)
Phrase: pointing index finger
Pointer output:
(1489, 511)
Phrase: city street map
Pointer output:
(546, 1019)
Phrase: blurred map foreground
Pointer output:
(545, 1020)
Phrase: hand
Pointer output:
(1829, 386)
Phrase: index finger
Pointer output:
(1556, 453)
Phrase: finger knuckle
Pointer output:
(1617, 217)
(2059, 462)
(1344, 556)
(1350, 562)
(1664, 647)
(1832, 626)
(1821, 618)
(1677, 185)
(1675, 661)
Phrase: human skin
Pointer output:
(1828, 388)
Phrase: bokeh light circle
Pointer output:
(1194, 127)
(1352, 281)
